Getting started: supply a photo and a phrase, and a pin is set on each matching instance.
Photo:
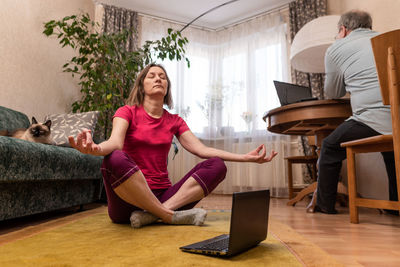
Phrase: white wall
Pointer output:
(384, 13)
(30, 71)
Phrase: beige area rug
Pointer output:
(90, 239)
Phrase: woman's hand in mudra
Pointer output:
(256, 156)
(84, 143)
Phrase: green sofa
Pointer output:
(36, 178)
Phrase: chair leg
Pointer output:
(397, 166)
(351, 177)
(290, 179)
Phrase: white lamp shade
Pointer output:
(309, 45)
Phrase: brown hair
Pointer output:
(136, 96)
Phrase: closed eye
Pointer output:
(151, 75)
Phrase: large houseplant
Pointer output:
(106, 68)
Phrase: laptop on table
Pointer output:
(289, 93)
(248, 226)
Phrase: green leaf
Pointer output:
(48, 31)
(50, 23)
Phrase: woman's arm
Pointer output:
(84, 142)
(192, 144)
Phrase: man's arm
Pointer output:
(334, 80)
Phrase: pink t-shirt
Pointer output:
(148, 141)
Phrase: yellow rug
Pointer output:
(95, 241)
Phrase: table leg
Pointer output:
(306, 191)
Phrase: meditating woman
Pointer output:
(135, 164)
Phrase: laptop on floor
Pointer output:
(248, 226)
(289, 93)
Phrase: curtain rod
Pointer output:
(278, 9)
(173, 21)
(271, 11)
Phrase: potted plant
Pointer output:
(107, 70)
(247, 116)
(219, 99)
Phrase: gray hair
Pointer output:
(355, 19)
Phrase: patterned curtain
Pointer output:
(301, 12)
(116, 19)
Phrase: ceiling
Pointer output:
(185, 11)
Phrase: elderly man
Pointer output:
(350, 67)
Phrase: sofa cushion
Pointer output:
(11, 120)
(64, 125)
(22, 160)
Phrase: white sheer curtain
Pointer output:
(226, 91)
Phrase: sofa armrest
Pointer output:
(11, 120)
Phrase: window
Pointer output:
(235, 91)
(230, 81)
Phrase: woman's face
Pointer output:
(155, 83)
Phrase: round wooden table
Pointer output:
(318, 118)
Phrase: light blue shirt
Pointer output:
(350, 66)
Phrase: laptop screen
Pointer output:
(289, 93)
(249, 221)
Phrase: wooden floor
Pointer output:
(373, 242)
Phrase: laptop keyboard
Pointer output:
(217, 245)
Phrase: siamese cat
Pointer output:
(37, 132)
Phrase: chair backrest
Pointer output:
(386, 48)
(380, 46)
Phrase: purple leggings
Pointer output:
(117, 167)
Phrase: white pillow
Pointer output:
(64, 125)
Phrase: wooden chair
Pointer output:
(386, 48)
(307, 159)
